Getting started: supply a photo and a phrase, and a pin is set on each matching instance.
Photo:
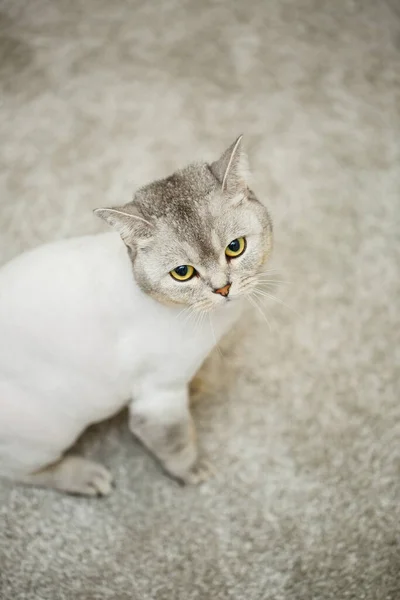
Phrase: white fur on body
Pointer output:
(79, 340)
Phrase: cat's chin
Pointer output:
(210, 306)
(228, 303)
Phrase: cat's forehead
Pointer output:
(192, 216)
(194, 238)
(179, 195)
(181, 206)
(199, 242)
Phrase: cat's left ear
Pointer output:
(128, 221)
(232, 169)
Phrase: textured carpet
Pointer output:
(301, 421)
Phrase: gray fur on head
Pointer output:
(190, 218)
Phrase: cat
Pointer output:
(89, 325)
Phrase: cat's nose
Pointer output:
(224, 291)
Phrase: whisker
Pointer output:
(203, 307)
(191, 314)
(272, 297)
(258, 301)
(200, 321)
(198, 314)
(214, 336)
(181, 312)
(274, 281)
(254, 303)
(271, 273)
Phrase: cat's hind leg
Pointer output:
(73, 475)
(34, 443)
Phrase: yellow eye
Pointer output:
(183, 273)
(236, 248)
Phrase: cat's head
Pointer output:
(199, 237)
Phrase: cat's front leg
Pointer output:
(162, 421)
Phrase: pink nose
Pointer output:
(224, 291)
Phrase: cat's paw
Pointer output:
(201, 471)
(77, 475)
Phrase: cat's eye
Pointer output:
(183, 273)
(236, 248)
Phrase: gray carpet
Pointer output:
(301, 421)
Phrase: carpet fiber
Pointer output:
(302, 419)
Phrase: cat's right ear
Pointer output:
(129, 223)
(232, 169)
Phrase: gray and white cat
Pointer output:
(89, 325)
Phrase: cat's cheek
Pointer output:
(176, 292)
(243, 265)
(266, 251)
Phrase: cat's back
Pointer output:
(57, 324)
(56, 258)
(68, 268)
(58, 359)
(61, 294)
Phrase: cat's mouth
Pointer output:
(227, 301)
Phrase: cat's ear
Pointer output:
(232, 169)
(128, 221)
